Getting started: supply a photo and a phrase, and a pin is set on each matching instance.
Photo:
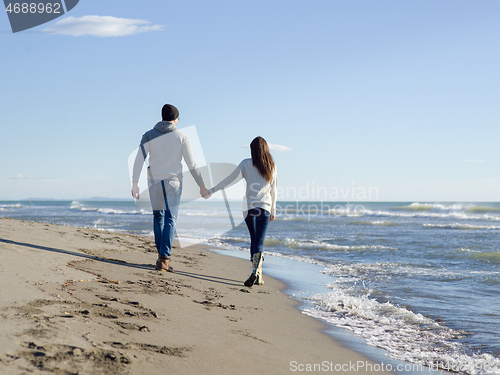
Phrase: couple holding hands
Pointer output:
(166, 146)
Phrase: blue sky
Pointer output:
(400, 96)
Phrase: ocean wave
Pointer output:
(462, 226)
(299, 258)
(241, 243)
(405, 335)
(111, 211)
(317, 212)
(436, 207)
(83, 208)
(460, 215)
(80, 207)
(469, 250)
(106, 229)
(350, 274)
(302, 210)
(106, 211)
(7, 206)
(414, 210)
(235, 239)
(478, 209)
(383, 223)
(345, 212)
(455, 208)
(291, 218)
(294, 244)
(417, 207)
(487, 256)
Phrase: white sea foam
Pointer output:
(234, 239)
(355, 273)
(469, 250)
(76, 206)
(462, 215)
(299, 258)
(383, 223)
(103, 210)
(405, 335)
(456, 210)
(291, 218)
(111, 211)
(432, 207)
(83, 208)
(101, 225)
(7, 206)
(190, 239)
(292, 243)
(414, 210)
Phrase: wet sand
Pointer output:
(81, 301)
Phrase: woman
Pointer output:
(261, 178)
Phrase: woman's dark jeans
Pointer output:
(257, 220)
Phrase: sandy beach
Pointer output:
(81, 301)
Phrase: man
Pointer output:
(166, 146)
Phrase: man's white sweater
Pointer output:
(166, 146)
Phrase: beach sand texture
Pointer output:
(81, 301)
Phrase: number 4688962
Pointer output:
(33, 8)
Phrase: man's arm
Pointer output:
(142, 153)
(187, 154)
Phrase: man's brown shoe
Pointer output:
(162, 265)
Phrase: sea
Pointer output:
(417, 281)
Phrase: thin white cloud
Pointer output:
(101, 26)
(475, 161)
(278, 148)
(20, 176)
(274, 147)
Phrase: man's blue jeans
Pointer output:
(257, 220)
(165, 198)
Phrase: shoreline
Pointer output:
(280, 268)
(90, 300)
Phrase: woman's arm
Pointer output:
(233, 178)
(274, 188)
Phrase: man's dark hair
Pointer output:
(169, 112)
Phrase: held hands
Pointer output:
(204, 192)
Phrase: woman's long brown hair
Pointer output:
(261, 158)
